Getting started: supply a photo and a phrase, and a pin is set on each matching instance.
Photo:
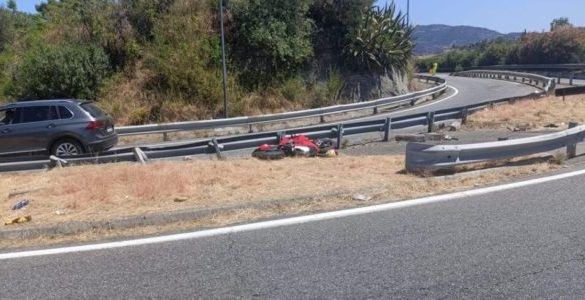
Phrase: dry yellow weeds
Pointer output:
(531, 114)
(118, 190)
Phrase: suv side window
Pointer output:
(35, 114)
(53, 115)
(9, 116)
(65, 113)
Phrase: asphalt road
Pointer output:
(521, 243)
(471, 91)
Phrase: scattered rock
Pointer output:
(60, 212)
(361, 197)
(551, 125)
(187, 158)
(454, 126)
(410, 138)
(180, 199)
(503, 139)
(433, 136)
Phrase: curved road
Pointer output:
(523, 242)
(471, 91)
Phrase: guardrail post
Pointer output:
(250, 129)
(464, 115)
(279, 136)
(387, 128)
(165, 137)
(375, 110)
(430, 121)
(59, 162)
(217, 147)
(339, 135)
(571, 79)
(559, 79)
(572, 148)
(523, 79)
(322, 118)
(140, 155)
(491, 105)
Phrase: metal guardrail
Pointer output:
(544, 67)
(570, 91)
(545, 83)
(218, 145)
(319, 112)
(423, 157)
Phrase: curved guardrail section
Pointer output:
(575, 67)
(243, 121)
(423, 157)
(545, 83)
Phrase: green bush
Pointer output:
(63, 72)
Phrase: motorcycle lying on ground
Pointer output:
(296, 146)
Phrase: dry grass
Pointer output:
(531, 114)
(106, 192)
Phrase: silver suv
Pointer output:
(57, 127)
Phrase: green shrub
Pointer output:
(63, 72)
(293, 89)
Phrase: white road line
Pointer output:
(289, 221)
(429, 104)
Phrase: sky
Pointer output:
(501, 15)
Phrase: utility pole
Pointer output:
(225, 98)
(408, 12)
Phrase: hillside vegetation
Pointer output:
(564, 43)
(160, 60)
(434, 39)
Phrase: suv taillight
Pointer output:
(95, 124)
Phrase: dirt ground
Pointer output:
(111, 191)
(545, 113)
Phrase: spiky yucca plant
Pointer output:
(381, 42)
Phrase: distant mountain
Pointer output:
(432, 39)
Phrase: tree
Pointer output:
(333, 20)
(560, 23)
(6, 28)
(272, 39)
(11, 4)
(63, 72)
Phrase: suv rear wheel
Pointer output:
(66, 147)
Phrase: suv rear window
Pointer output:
(93, 110)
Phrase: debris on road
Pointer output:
(410, 138)
(18, 220)
(361, 197)
(455, 126)
(20, 204)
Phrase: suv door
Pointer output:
(33, 130)
(8, 139)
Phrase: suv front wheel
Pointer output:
(66, 147)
